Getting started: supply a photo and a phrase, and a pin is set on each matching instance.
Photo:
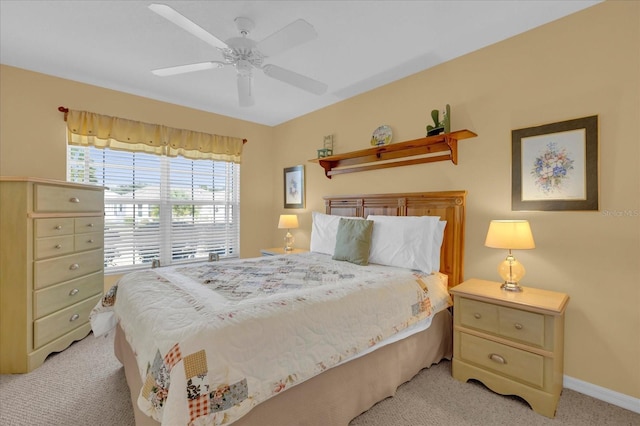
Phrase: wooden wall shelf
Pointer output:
(396, 154)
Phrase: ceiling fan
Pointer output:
(246, 54)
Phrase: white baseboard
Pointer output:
(621, 400)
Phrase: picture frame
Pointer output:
(554, 167)
(294, 187)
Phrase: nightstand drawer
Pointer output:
(521, 325)
(507, 361)
(479, 315)
(511, 323)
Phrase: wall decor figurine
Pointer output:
(327, 149)
(439, 125)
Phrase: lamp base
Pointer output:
(288, 242)
(511, 286)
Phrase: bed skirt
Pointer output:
(339, 394)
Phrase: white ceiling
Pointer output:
(361, 45)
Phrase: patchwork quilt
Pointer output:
(212, 340)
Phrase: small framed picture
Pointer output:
(294, 187)
(555, 166)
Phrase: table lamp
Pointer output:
(288, 221)
(511, 235)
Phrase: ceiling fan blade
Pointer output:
(297, 32)
(182, 69)
(245, 90)
(295, 79)
(187, 25)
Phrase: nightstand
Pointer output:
(280, 250)
(513, 342)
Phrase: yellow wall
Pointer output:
(33, 138)
(585, 64)
(582, 65)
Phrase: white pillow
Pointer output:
(404, 241)
(438, 237)
(323, 232)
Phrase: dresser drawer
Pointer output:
(59, 269)
(54, 246)
(525, 326)
(479, 315)
(53, 226)
(90, 241)
(55, 325)
(56, 297)
(507, 361)
(49, 198)
(84, 225)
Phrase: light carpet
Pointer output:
(85, 386)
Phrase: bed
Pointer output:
(333, 388)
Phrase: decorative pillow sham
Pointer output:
(404, 241)
(353, 241)
(323, 232)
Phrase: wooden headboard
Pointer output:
(449, 205)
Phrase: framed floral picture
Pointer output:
(555, 166)
(294, 187)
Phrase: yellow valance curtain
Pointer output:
(102, 131)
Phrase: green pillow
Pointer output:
(353, 241)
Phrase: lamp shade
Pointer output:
(288, 221)
(510, 234)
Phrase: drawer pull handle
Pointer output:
(497, 358)
(90, 225)
(58, 227)
(477, 316)
(74, 292)
(518, 326)
(90, 241)
(74, 200)
(58, 246)
(74, 266)
(74, 317)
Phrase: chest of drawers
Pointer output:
(513, 342)
(51, 267)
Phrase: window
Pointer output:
(156, 207)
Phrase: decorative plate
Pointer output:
(381, 136)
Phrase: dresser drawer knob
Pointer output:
(518, 326)
(58, 227)
(74, 200)
(74, 317)
(73, 292)
(497, 358)
(74, 266)
(90, 225)
(477, 316)
(58, 246)
(90, 241)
